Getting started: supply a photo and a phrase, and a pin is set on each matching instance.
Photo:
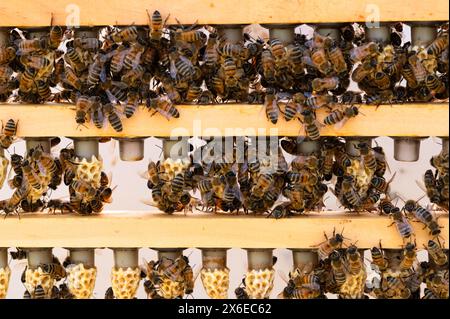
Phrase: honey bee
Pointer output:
(355, 264)
(95, 72)
(316, 102)
(64, 292)
(320, 61)
(163, 106)
(340, 275)
(420, 73)
(363, 70)
(323, 84)
(39, 292)
(339, 115)
(109, 294)
(7, 54)
(436, 87)
(268, 65)
(422, 215)
(25, 46)
(379, 259)
(10, 129)
(84, 188)
(380, 184)
(436, 253)
(428, 294)
(43, 90)
(19, 254)
(262, 184)
(409, 257)
(403, 226)
(56, 204)
(349, 192)
(382, 80)
(71, 78)
(113, 118)
(156, 25)
(337, 58)
(438, 45)
(27, 79)
(311, 125)
(127, 34)
(330, 244)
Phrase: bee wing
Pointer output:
(173, 69)
(111, 97)
(144, 175)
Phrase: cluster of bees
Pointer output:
(436, 183)
(55, 270)
(108, 76)
(380, 70)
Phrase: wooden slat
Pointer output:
(152, 229)
(29, 13)
(232, 119)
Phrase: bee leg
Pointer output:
(391, 224)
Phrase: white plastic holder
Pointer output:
(126, 258)
(308, 147)
(304, 257)
(85, 256)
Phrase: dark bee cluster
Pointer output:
(35, 174)
(38, 173)
(108, 76)
(360, 173)
(243, 181)
(380, 70)
(401, 276)
(339, 271)
(436, 183)
(398, 275)
(31, 65)
(88, 194)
